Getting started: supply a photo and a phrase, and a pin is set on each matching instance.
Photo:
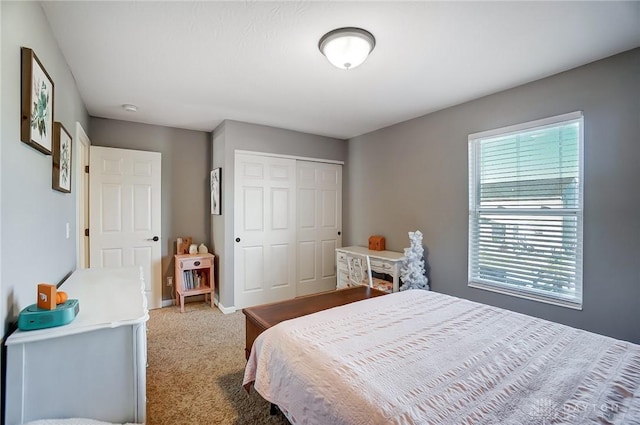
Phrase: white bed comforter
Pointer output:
(418, 357)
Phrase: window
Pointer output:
(525, 210)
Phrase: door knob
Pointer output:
(339, 233)
(155, 239)
(237, 239)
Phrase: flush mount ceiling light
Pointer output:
(129, 108)
(348, 47)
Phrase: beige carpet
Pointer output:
(196, 364)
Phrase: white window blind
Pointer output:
(525, 210)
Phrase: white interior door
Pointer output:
(124, 217)
(319, 197)
(265, 229)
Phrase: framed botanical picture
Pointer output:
(215, 191)
(36, 122)
(61, 158)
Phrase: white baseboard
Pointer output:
(226, 310)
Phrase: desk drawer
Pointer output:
(381, 266)
(342, 266)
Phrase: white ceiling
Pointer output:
(193, 64)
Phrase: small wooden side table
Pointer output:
(194, 276)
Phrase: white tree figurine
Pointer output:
(413, 273)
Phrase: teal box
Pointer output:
(32, 317)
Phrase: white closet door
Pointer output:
(265, 229)
(319, 225)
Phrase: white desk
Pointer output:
(94, 367)
(387, 262)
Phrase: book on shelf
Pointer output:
(194, 279)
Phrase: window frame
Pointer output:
(474, 141)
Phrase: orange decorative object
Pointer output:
(46, 296)
(61, 297)
(377, 243)
(182, 245)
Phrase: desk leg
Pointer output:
(396, 278)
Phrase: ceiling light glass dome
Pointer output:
(346, 48)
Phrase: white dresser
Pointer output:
(94, 367)
(386, 262)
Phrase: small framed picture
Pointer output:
(216, 191)
(36, 124)
(61, 158)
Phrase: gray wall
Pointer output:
(233, 135)
(417, 171)
(218, 232)
(185, 178)
(34, 216)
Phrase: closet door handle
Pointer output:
(237, 239)
(339, 233)
(155, 239)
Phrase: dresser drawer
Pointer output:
(194, 263)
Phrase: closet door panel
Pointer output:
(264, 229)
(319, 188)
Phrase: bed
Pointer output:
(419, 357)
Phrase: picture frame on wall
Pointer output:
(216, 176)
(37, 95)
(61, 158)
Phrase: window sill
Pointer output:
(525, 295)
